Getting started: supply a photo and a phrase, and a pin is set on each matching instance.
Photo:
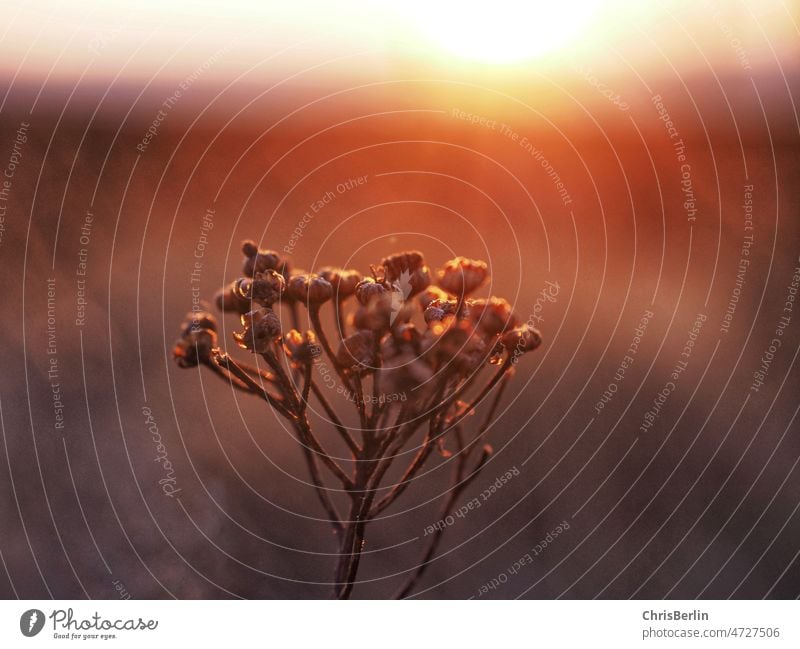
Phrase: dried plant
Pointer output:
(417, 344)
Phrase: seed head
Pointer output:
(368, 289)
(408, 269)
(522, 340)
(493, 316)
(257, 261)
(344, 282)
(357, 352)
(228, 299)
(262, 327)
(309, 289)
(198, 338)
(301, 347)
(194, 348)
(402, 262)
(265, 288)
(462, 276)
(438, 310)
(430, 294)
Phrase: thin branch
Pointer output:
(337, 423)
(340, 321)
(458, 417)
(422, 455)
(460, 484)
(288, 387)
(307, 439)
(356, 548)
(316, 324)
(306, 386)
(396, 440)
(304, 428)
(322, 491)
(489, 419)
(362, 496)
(294, 315)
(376, 380)
(226, 376)
(257, 372)
(346, 551)
(360, 405)
(226, 362)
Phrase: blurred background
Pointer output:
(629, 170)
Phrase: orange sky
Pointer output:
(102, 38)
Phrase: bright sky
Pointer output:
(61, 38)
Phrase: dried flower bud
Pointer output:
(522, 340)
(249, 248)
(262, 327)
(194, 347)
(347, 283)
(228, 299)
(434, 314)
(258, 261)
(357, 352)
(301, 347)
(438, 310)
(344, 282)
(403, 262)
(493, 316)
(265, 288)
(309, 289)
(462, 276)
(368, 289)
(430, 294)
(407, 273)
(382, 312)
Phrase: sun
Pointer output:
(503, 31)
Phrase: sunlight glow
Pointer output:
(503, 31)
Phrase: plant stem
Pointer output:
(287, 385)
(369, 473)
(316, 324)
(340, 323)
(306, 387)
(505, 367)
(294, 314)
(417, 462)
(459, 485)
(321, 490)
(337, 423)
(360, 405)
(226, 362)
(306, 434)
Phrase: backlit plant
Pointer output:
(414, 352)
